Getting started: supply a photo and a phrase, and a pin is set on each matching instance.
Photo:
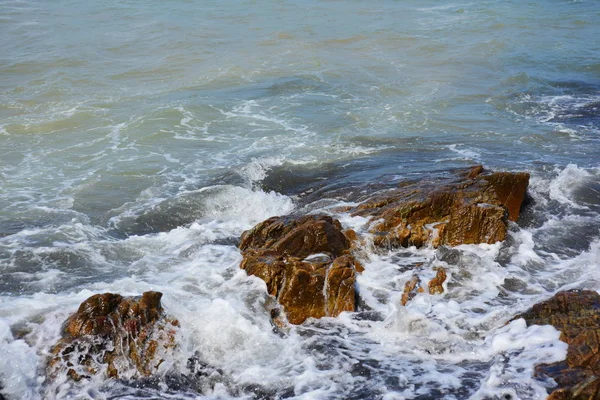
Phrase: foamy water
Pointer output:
(138, 141)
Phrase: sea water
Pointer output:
(138, 140)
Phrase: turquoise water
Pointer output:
(139, 139)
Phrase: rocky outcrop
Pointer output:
(122, 337)
(474, 206)
(576, 314)
(305, 262)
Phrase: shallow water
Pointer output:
(138, 140)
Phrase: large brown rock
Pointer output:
(576, 314)
(473, 206)
(305, 262)
(114, 335)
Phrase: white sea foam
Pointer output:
(18, 371)
(566, 114)
(246, 109)
(467, 154)
(562, 186)
(257, 170)
(252, 206)
(516, 349)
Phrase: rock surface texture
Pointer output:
(123, 337)
(576, 314)
(305, 262)
(472, 207)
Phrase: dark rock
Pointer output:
(305, 262)
(576, 314)
(474, 206)
(115, 335)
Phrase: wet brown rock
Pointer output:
(357, 248)
(267, 265)
(302, 295)
(278, 319)
(472, 207)
(116, 335)
(436, 284)
(297, 236)
(576, 314)
(411, 288)
(305, 262)
(340, 279)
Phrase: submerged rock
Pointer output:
(472, 207)
(305, 262)
(413, 286)
(576, 314)
(122, 337)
